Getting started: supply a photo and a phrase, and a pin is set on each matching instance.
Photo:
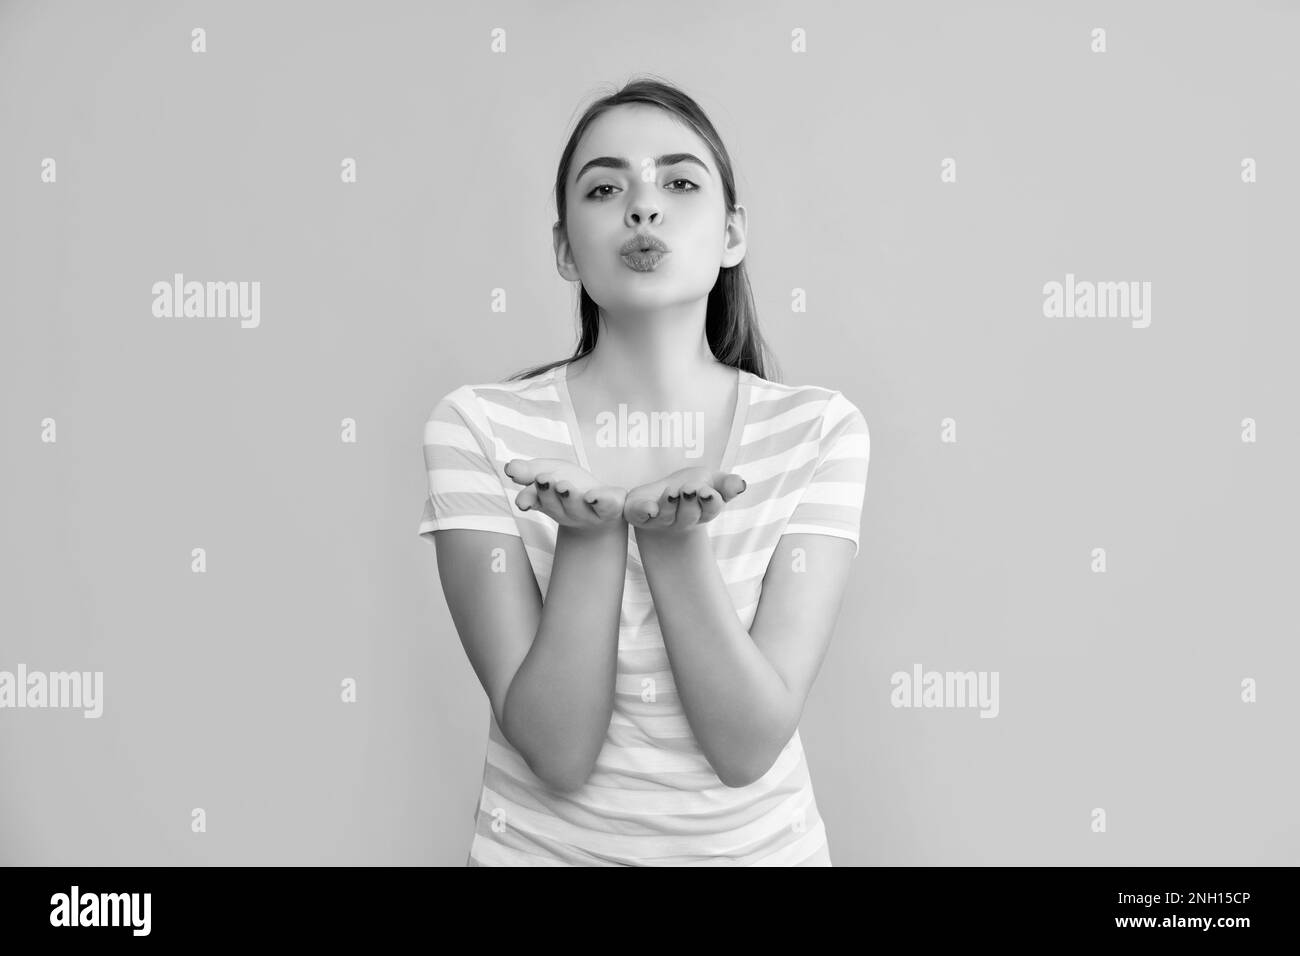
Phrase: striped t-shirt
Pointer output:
(653, 799)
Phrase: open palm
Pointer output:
(681, 501)
(564, 492)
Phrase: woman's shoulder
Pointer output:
(532, 396)
(832, 404)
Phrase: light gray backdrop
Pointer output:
(1120, 691)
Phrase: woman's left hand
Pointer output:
(681, 501)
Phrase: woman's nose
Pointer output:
(641, 213)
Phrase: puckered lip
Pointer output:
(642, 242)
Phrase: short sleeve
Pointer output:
(466, 489)
(832, 500)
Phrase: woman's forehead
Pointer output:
(635, 132)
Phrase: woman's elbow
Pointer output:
(748, 769)
(564, 779)
(744, 778)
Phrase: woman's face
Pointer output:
(626, 194)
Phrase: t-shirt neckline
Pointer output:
(560, 376)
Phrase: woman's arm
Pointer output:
(744, 692)
(561, 699)
(548, 668)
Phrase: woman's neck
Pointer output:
(649, 370)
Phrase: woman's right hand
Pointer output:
(565, 493)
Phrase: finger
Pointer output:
(640, 511)
(520, 471)
(571, 502)
(524, 471)
(526, 500)
(688, 506)
(640, 507)
(728, 484)
(710, 503)
(668, 501)
(546, 495)
(605, 501)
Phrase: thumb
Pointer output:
(521, 471)
(728, 484)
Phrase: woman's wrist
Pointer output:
(671, 540)
(613, 529)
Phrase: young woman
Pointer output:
(647, 617)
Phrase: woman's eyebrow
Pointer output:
(667, 159)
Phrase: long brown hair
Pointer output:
(731, 321)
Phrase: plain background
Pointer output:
(1118, 691)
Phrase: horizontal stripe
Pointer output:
(549, 827)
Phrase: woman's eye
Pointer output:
(594, 193)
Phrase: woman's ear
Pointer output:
(564, 263)
(734, 239)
